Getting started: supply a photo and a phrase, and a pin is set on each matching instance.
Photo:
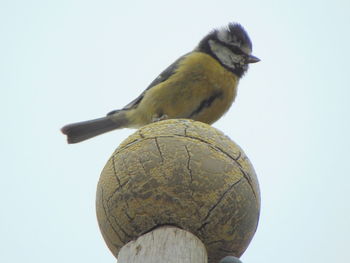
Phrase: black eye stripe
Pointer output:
(234, 49)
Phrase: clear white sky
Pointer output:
(71, 60)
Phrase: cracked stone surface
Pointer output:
(182, 173)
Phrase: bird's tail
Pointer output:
(81, 131)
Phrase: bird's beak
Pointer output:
(252, 59)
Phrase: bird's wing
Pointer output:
(162, 77)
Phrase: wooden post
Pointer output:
(164, 244)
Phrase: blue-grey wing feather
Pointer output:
(161, 78)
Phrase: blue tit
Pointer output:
(201, 85)
(230, 259)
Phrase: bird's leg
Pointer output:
(159, 117)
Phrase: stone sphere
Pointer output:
(181, 173)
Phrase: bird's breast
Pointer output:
(209, 87)
(200, 89)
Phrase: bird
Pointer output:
(230, 259)
(201, 85)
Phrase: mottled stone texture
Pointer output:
(182, 173)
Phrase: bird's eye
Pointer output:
(237, 50)
(234, 40)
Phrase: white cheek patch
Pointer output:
(225, 55)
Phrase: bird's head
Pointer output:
(231, 46)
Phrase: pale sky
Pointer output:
(72, 60)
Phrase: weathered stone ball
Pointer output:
(181, 173)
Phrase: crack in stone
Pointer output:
(225, 153)
(122, 229)
(239, 155)
(143, 166)
(202, 226)
(179, 135)
(188, 164)
(110, 223)
(115, 172)
(126, 211)
(190, 171)
(128, 216)
(115, 220)
(217, 203)
(185, 130)
(194, 138)
(127, 146)
(249, 182)
(116, 190)
(158, 147)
